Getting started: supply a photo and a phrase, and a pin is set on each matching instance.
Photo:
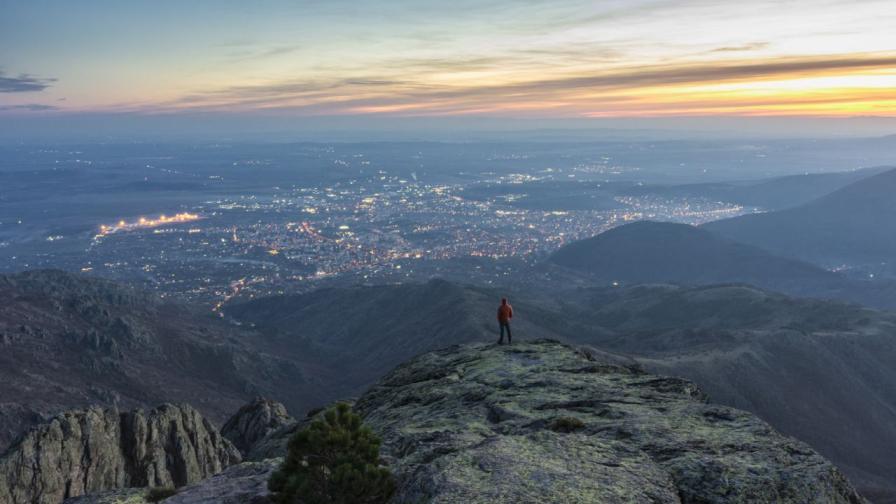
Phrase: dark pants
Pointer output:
(504, 325)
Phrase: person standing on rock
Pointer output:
(505, 313)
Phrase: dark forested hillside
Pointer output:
(657, 252)
(852, 227)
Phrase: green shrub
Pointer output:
(157, 494)
(566, 424)
(333, 461)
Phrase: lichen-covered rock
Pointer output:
(245, 483)
(120, 496)
(86, 451)
(255, 421)
(542, 422)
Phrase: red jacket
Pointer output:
(505, 313)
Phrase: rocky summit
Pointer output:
(544, 422)
(87, 451)
(539, 422)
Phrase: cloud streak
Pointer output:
(30, 107)
(753, 46)
(24, 83)
(584, 92)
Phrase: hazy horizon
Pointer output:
(74, 128)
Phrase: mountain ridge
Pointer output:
(658, 252)
(853, 226)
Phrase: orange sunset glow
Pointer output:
(540, 59)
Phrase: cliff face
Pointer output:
(91, 450)
(542, 422)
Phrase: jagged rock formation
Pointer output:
(542, 422)
(254, 422)
(96, 449)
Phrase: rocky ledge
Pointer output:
(87, 451)
(543, 422)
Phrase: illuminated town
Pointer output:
(296, 218)
(300, 238)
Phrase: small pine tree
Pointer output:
(333, 461)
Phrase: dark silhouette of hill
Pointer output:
(70, 341)
(855, 226)
(649, 251)
(655, 252)
(771, 194)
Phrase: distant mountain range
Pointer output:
(769, 194)
(854, 226)
(659, 252)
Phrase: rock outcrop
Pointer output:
(255, 421)
(86, 451)
(543, 422)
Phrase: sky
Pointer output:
(616, 62)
